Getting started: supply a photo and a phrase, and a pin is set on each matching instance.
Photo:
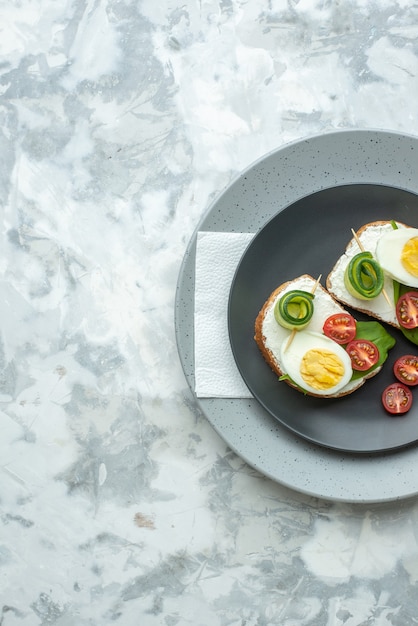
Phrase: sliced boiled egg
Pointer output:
(316, 363)
(397, 255)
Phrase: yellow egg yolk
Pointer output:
(409, 256)
(321, 369)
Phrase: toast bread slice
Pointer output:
(378, 308)
(269, 335)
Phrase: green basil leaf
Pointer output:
(287, 377)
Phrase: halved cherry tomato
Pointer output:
(407, 309)
(406, 369)
(363, 353)
(397, 398)
(341, 327)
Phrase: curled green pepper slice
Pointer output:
(294, 309)
(363, 277)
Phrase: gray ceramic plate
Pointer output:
(308, 237)
(270, 185)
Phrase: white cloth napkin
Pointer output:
(217, 257)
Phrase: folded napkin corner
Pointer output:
(217, 257)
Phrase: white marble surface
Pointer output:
(120, 121)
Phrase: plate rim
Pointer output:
(226, 430)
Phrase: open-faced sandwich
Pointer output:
(314, 345)
(378, 275)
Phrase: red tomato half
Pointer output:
(397, 398)
(406, 369)
(407, 310)
(363, 353)
(341, 327)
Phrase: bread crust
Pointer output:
(258, 327)
(269, 356)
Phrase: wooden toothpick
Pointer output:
(360, 245)
(294, 331)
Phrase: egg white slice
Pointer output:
(303, 341)
(388, 254)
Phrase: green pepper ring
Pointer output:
(363, 277)
(294, 309)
